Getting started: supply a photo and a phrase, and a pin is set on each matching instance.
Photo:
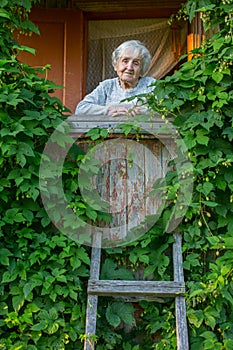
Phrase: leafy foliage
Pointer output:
(199, 96)
(44, 274)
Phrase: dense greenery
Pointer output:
(201, 99)
(41, 270)
(44, 273)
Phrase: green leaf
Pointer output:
(42, 325)
(228, 175)
(191, 260)
(217, 44)
(26, 149)
(110, 270)
(75, 262)
(4, 256)
(208, 335)
(113, 319)
(93, 133)
(195, 317)
(92, 214)
(18, 302)
(213, 240)
(210, 321)
(210, 204)
(217, 76)
(53, 314)
(45, 221)
(229, 240)
(28, 215)
(25, 49)
(104, 132)
(3, 308)
(229, 132)
(118, 311)
(221, 183)
(189, 140)
(191, 9)
(127, 313)
(211, 316)
(201, 137)
(207, 188)
(73, 334)
(149, 270)
(82, 255)
(73, 295)
(76, 313)
(4, 14)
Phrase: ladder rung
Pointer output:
(136, 288)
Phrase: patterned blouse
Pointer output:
(110, 93)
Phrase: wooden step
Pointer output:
(136, 288)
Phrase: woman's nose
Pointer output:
(130, 65)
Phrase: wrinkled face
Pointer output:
(128, 68)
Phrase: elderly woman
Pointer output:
(130, 61)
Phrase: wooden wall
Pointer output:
(60, 44)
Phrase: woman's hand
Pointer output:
(134, 111)
(115, 111)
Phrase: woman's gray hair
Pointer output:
(138, 48)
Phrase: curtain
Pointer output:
(166, 44)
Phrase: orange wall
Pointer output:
(59, 44)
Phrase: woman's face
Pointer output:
(128, 69)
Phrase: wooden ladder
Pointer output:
(143, 290)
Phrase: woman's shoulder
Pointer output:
(145, 84)
(147, 80)
(109, 82)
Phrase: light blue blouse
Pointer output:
(110, 93)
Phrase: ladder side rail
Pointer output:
(180, 304)
(92, 300)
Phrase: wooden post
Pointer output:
(196, 36)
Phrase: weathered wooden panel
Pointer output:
(82, 124)
(129, 167)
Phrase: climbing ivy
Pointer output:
(44, 273)
(200, 99)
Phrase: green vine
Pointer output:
(44, 273)
(200, 97)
